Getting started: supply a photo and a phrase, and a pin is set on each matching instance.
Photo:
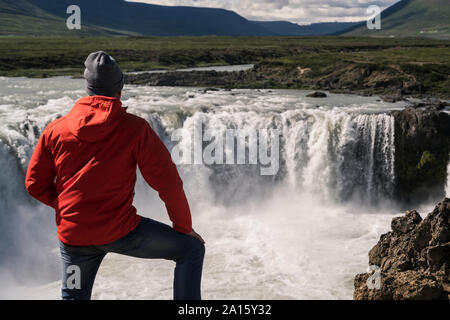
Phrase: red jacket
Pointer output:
(84, 166)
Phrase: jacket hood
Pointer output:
(94, 118)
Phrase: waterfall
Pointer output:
(340, 152)
(339, 155)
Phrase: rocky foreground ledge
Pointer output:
(412, 261)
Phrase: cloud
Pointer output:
(298, 11)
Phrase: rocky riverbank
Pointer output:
(392, 84)
(412, 261)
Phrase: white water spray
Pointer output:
(302, 233)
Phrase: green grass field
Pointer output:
(423, 60)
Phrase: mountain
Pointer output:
(119, 17)
(411, 18)
(316, 29)
(284, 28)
(406, 18)
(22, 17)
(155, 20)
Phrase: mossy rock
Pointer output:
(422, 147)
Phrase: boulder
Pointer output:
(317, 94)
(412, 261)
(392, 98)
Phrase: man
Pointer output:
(84, 166)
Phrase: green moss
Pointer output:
(426, 161)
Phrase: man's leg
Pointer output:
(79, 268)
(154, 240)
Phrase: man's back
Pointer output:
(84, 166)
(93, 152)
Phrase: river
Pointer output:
(302, 233)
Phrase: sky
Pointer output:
(297, 11)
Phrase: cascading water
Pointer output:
(339, 155)
(301, 233)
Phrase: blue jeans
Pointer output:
(150, 240)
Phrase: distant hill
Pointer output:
(406, 18)
(147, 19)
(22, 17)
(411, 18)
(286, 28)
(119, 17)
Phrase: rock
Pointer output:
(302, 71)
(345, 77)
(413, 88)
(210, 89)
(392, 98)
(407, 223)
(408, 285)
(192, 78)
(435, 104)
(317, 94)
(446, 287)
(413, 259)
(422, 147)
(362, 293)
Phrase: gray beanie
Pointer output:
(103, 75)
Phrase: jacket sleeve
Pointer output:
(40, 177)
(159, 171)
